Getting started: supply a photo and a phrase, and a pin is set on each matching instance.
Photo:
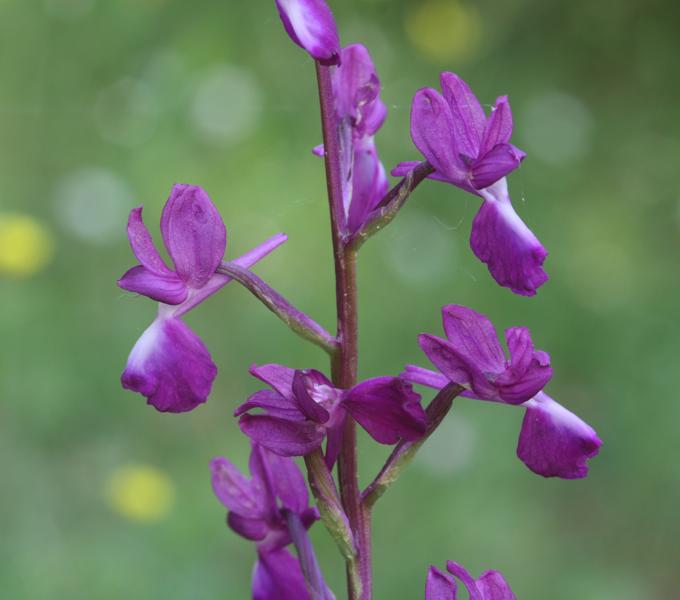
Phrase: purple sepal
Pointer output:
(170, 365)
(167, 288)
(554, 442)
(491, 585)
(388, 409)
(193, 233)
(283, 436)
(369, 183)
(277, 576)
(440, 586)
(502, 241)
(310, 24)
(472, 357)
(495, 164)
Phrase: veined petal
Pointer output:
(287, 438)
(495, 164)
(473, 336)
(492, 586)
(170, 365)
(235, 491)
(468, 115)
(278, 377)
(529, 370)
(498, 127)
(456, 367)
(388, 409)
(193, 233)
(142, 245)
(289, 485)
(433, 133)
(440, 586)
(502, 241)
(554, 442)
(310, 24)
(277, 576)
(311, 390)
(167, 288)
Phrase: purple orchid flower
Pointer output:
(260, 510)
(169, 364)
(491, 585)
(473, 152)
(553, 442)
(360, 113)
(258, 506)
(303, 408)
(310, 24)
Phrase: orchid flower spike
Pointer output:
(260, 509)
(169, 364)
(553, 442)
(303, 408)
(491, 585)
(310, 24)
(473, 152)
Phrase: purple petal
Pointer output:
(473, 336)
(468, 115)
(287, 438)
(334, 443)
(170, 366)
(554, 442)
(498, 127)
(250, 529)
(238, 493)
(285, 479)
(529, 370)
(277, 377)
(495, 164)
(433, 133)
(142, 245)
(510, 250)
(462, 574)
(273, 403)
(421, 376)
(456, 367)
(369, 183)
(310, 24)
(167, 288)
(492, 586)
(440, 586)
(357, 89)
(388, 409)
(311, 389)
(193, 233)
(277, 576)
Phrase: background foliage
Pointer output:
(104, 104)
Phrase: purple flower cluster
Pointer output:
(302, 408)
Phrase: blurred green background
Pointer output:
(104, 104)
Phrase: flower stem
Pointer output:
(345, 361)
(404, 452)
(298, 321)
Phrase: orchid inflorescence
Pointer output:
(300, 409)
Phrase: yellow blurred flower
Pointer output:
(140, 493)
(26, 246)
(444, 30)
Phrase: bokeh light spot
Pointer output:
(140, 493)
(227, 105)
(125, 113)
(556, 128)
(26, 245)
(444, 30)
(92, 204)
